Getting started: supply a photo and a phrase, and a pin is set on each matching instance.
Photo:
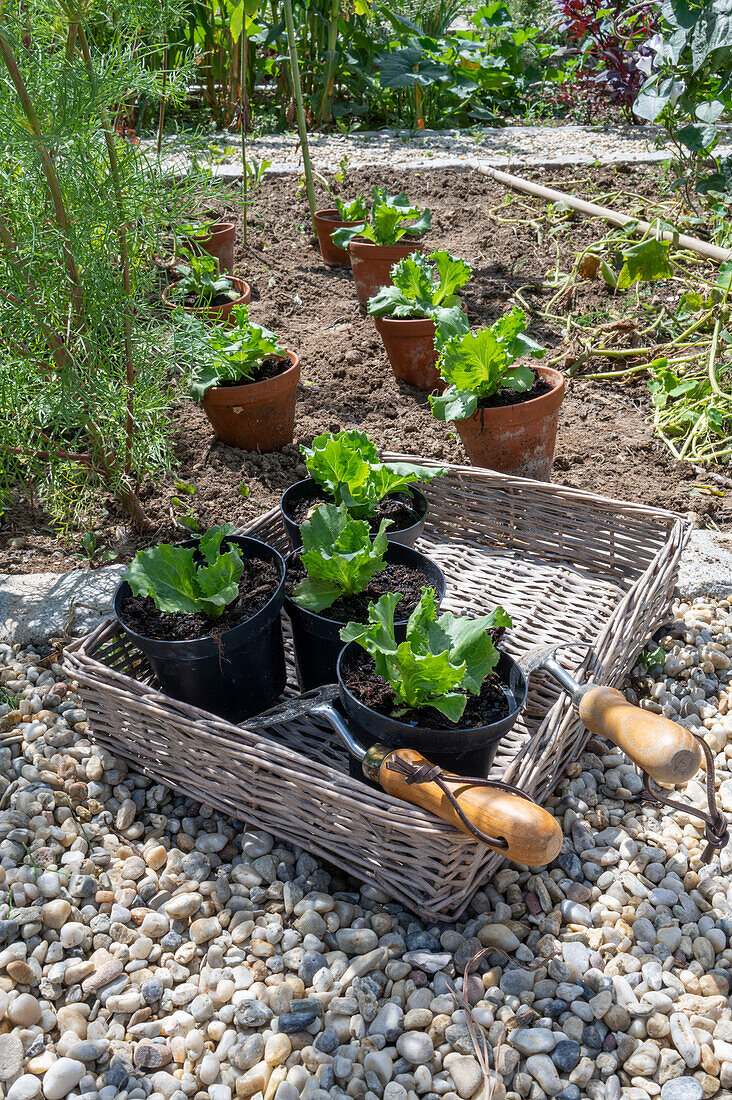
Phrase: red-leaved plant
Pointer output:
(609, 37)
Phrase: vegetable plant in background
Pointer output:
(245, 380)
(214, 237)
(345, 468)
(373, 243)
(506, 414)
(203, 290)
(206, 616)
(687, 92)
(340, 571)
(406, 314)
(445, 674)
(344, 215)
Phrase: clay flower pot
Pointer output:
(220, 243)
(372, 264)
(410, 345)
(517, 439)
(256, 416)
(326, 222)
(214, 313)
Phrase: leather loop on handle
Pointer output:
(666, 751)
(531, 836)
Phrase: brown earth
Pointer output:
(605, 444)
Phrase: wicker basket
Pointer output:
(567, 565)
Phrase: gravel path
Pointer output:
(151, 947)
(510, 146)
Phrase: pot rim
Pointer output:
(232, 395)
(440, 731)
(398, 249)
(276, 558)
(425, 323)
(239, 285)
(514, 413)
(391, 549)
(414, 487)
(220, 227)
(330, 214)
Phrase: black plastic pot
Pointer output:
(235, 676)
(466, 752)
(309, 490)
(317, 638)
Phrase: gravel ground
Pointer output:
(498, 147)
(151, 947)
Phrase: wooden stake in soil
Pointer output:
(302, 128)
(518, 183)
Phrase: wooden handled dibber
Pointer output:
(664, 750)
(526, 832)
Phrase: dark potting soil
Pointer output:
(258, 583)
(394, 578)
(374, 692)
(268, 368)
(191, 301)
(397, 507)
(513, 397)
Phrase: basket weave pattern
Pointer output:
(567, 566)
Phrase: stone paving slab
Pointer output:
(35, 607)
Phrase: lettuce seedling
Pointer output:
(346, 465)
(477, 364)
(202, 280)
(189, 579)
(339, 555)
(441, 660)
(354, 211)
(386, 222)
(424, 289)
(225, 353)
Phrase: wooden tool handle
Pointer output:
(663, 749)
(534, 837)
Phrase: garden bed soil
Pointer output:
(605, 444)
(393, 578)
(374, 692)
(397, 507)
(258, 583)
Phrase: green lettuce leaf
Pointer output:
(176, 581)
(339, 555)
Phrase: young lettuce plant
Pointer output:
(425, 289)
(201, 279)
(440, 662)
(346, 465)
(176, 579)
(386, 223)
(354, 211)
(225, 353)
(339, 555)
(477, 364)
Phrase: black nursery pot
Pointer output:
(316, 638)
(235, 676)
(309, 490)
(467, 752)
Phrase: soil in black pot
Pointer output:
(374, 692)
(398, 507)
(513, 397)
(192, 301)
(258, 583)
(394, 578)
(268, 368)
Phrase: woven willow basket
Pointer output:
(567, 565)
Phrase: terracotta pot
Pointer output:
(220, 243)
(517, 439)
(372, 264)
(410, 345)
(215, 313)
(326, 222)
(258, 416)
